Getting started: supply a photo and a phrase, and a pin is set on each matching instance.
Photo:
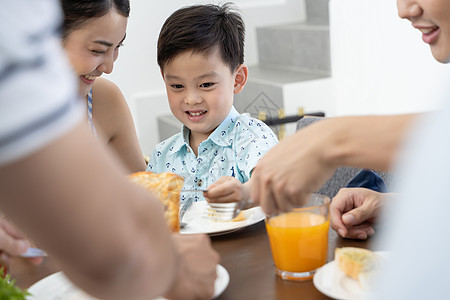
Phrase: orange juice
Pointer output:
(299, 240)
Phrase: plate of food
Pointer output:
(57, 286)
(201, 218)
(350, 275)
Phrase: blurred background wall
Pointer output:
(380, 63)
(373, 62)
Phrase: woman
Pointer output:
(93, 32)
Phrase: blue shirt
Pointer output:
(232, 149)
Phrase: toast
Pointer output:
(358, 263)
(166, 187)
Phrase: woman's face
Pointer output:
(432, 18)
(93, 48)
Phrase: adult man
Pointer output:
(417, 241)
(67, 192)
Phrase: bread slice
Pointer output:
(365, 279)
(354, 261)
(167, 187)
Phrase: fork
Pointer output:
(183, 210)
(194, 190)
(229, 210)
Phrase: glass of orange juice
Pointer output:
(299, 238)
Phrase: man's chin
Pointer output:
(441, 57)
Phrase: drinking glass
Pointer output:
(299, 238)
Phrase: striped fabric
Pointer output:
(90, 112)
(33, 114)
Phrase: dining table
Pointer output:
(245, 254)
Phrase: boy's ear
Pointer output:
(240, 78)
(162, 74)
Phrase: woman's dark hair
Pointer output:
(78, 12)
(202, 28)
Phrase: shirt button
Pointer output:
(200, 182)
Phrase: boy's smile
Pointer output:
(200, 88)
(195, 115)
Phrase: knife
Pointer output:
(34, 252)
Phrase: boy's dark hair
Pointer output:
(202, 28)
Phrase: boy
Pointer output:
(201, 56)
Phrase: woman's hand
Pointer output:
(13, 243)
(353, 212)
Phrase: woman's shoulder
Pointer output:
(104, 88)
(107, 96)
(110, 110)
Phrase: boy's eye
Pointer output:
(176, 86)
(207, 84)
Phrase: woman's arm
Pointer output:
(114, 123)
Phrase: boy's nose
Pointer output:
(192, 99)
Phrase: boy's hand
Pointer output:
(196, 267)
(227, 189)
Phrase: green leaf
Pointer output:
(8, 289)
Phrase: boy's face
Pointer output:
(432, 18)
(200, 89)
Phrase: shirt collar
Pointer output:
(220, 135)
(180, 143)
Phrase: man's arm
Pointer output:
(369, 142)
(73, 199)
(301, 163)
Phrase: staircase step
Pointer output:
(278, 76)
(317, 10)
(269, 89)
(301, 46)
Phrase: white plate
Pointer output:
(199, 221)
(331, 281)
(58, 287)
